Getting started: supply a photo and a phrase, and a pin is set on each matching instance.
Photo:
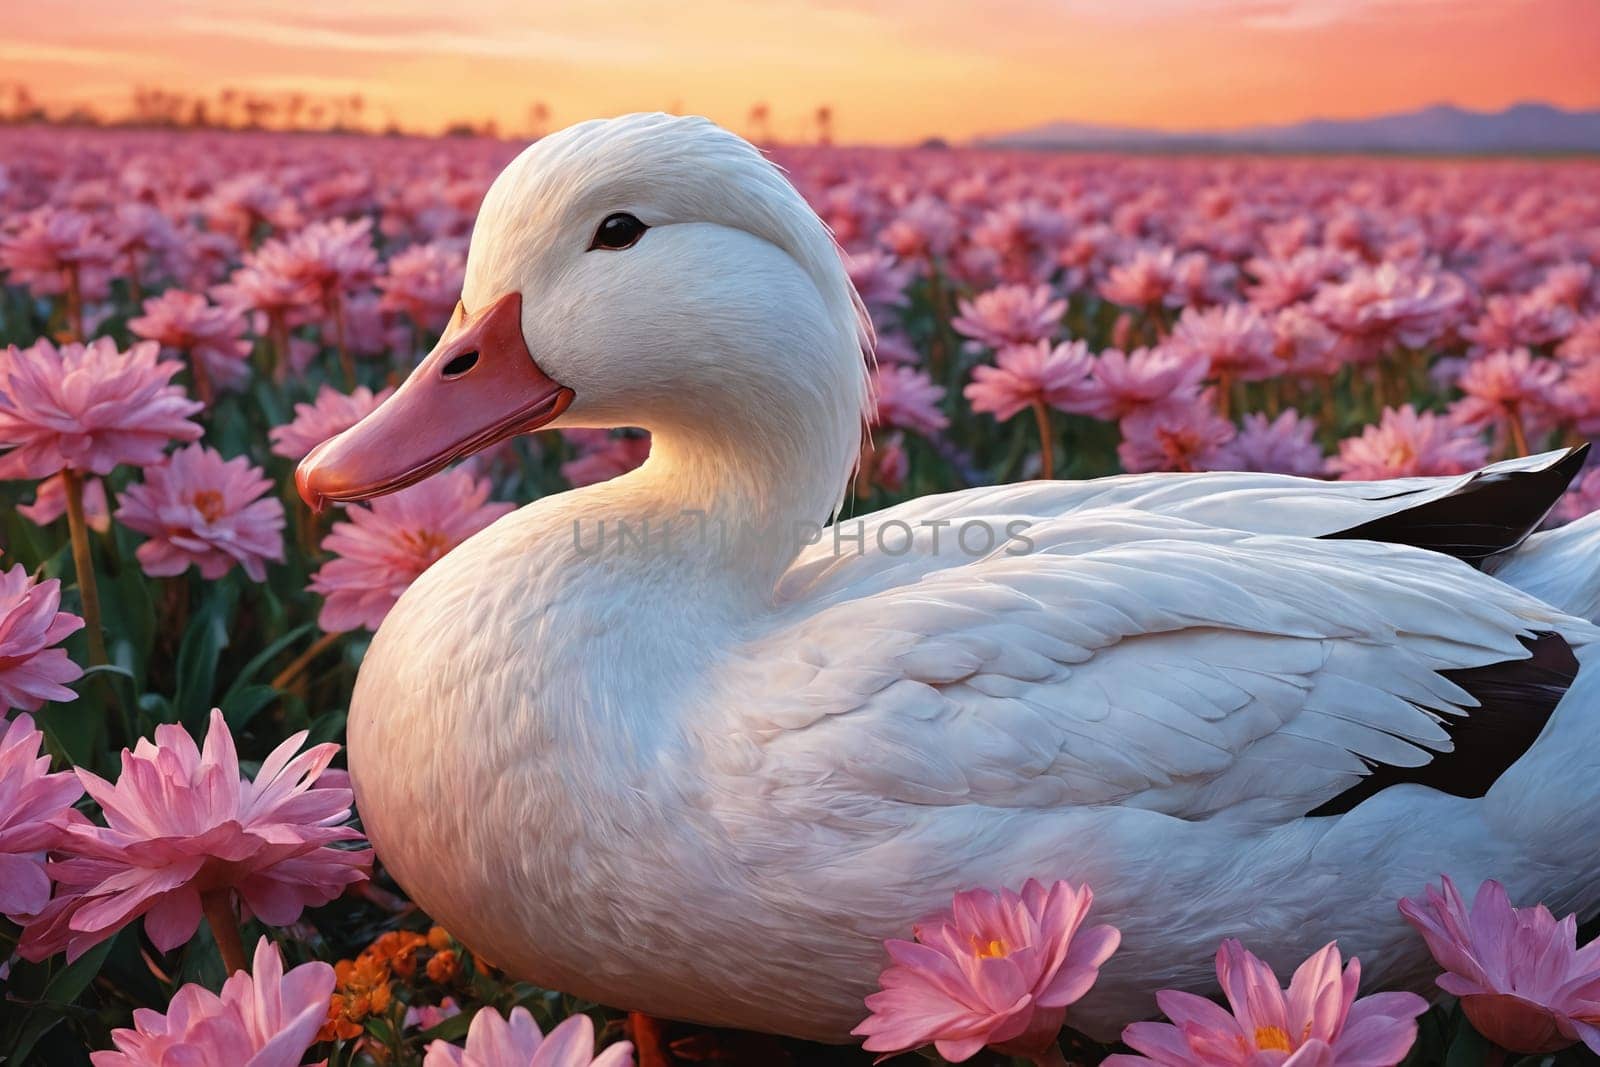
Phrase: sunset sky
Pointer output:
(893, 70)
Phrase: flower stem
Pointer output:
(938, 356)
(135, 290)
(1047, 461)
(287, 676)
(202, 380)
(83, 563)
(346, 365)
(1519, 437)
(1225, 395)
(224, 923)
(278, 330)
(74, 304)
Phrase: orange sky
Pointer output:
(893, 70)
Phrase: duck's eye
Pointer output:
(618, 231)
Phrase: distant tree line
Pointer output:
(242, 109)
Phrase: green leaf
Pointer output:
(239, 706)
(1469, 1049)
(106, 668)
(328, 726)
(201, 652)
(128, 612)
(247, 675)
(62, 988)
(382, 1029)
(452, 1029)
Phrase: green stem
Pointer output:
(83, 563)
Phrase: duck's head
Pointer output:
(645, 271)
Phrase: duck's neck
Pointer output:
(722, 508)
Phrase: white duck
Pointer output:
(705, 776)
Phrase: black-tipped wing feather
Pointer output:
(1493, 512)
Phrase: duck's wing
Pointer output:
(1143, 660)
(1475, 517)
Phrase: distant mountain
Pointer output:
(1440, 129)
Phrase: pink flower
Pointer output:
(1316, 1022)
(1284, 445)
(181, 823)
(896, 348)
(369, 329)
(212, 337)
(424, 283)
(1405, 444)
(1023, 235)
(493, 1041)
(1509, 387)
(924, 229)
(427, 1016)
(144, 239)
(1521, 979)
(1516, 321)
(262, 1019)
(885, 464)
(879, 278)
(1569, 285)
(997, 969)
(1146, 280)
(1282, 282)
(31, 670)
(50, 503)
(1582, 499)
(1583, 344)
(1302, 343)
(1124, 383)
(1381, 307)
(49, 243)
(202, 509)
(1082, 254)
(1174, 438)
(329, 415)
(33, 808)
(1011, 315)
(270, 281)
(1198, 282)
(1055, 375)
(334, 257)
(907, 398)
(1234, 342)
(88, 408)
(382, 548)
(248, 202)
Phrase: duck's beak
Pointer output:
(478, 386)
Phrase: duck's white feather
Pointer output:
(1130, 658)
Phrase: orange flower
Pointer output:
(444, 967)
(363, 989)
(397, 949)
(438, 939)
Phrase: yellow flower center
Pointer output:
(1273, 1039)
(993, 950)
(208, 502)
(426, 544)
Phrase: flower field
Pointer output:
(184, 316)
